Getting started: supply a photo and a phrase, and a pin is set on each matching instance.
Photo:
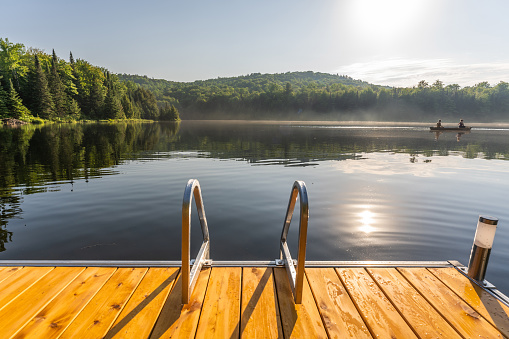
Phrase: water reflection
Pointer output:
(367, 220)
(40, 159)
(458, 134)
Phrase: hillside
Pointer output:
(322, 96)
(256, 81)
(36, 85)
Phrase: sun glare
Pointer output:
(384, 20)
(366, 220)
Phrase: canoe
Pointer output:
(466, 128)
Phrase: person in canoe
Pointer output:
(439, 123)
(461, 124)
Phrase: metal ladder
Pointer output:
(190, 273)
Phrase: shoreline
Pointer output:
(10, 122)
(355, 123)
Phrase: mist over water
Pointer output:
(378, 192)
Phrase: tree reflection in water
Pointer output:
(37, 159)
(34, 158)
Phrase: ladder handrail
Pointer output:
(190, 274)
(296, 277)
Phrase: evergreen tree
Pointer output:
(112, 107)
(169, 113)
(78, 95)
(57, 89)
(174, 114)
(73, 109)
(129, 108)
(147, 103)
(14, 104)
(4, 111)
(94, 102)
(44, 106)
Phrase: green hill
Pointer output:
(36, 85)
(322, 96)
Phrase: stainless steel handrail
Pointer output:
(190, 274)
(296, 276)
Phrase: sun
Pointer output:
(385, 20)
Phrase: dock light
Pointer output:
(481, 249)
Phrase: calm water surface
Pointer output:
(114, 191)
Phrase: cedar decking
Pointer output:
(246, 302)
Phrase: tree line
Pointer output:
(310, 95)
(35, 85)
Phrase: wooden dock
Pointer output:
(247, 302)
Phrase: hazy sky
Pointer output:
(388, 42)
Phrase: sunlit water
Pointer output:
(115, 191)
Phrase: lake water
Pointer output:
(114, 191)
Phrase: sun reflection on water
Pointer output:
(366, 221)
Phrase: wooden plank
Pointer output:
(177, 320)
(341, 318)
(465, 319)
(298, 321)
(220, 313)
(53, 319)
(260, 311)
(141, 312)
(15, 315)
(6, 272)
(97, 317)
(421, 316)
(493, 310)
(19, 281)
(379, 314)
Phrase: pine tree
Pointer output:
(79, 97)
(129, 109)
(14, 104)
(73, 109)
(174, 113)
(95, 100)
(147, 103)
(57, 89)
(43, 103)
(112, 106)
(169, 113)
(4, 111)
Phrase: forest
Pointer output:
(35, 86)
(321, 96)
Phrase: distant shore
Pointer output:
(15, 122)
(359, 123)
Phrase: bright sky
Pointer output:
(386, 42)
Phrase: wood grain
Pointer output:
(59, 313)
(377, 311)
(462, 317)
(141, 312)
(177, 320)
(341, 318)
(260, 311)
(493, 310)
(97, 317)
(17, 313)
(220, 314)
(16, 283)
(298, 321)
(5, 272)
(421, 316)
